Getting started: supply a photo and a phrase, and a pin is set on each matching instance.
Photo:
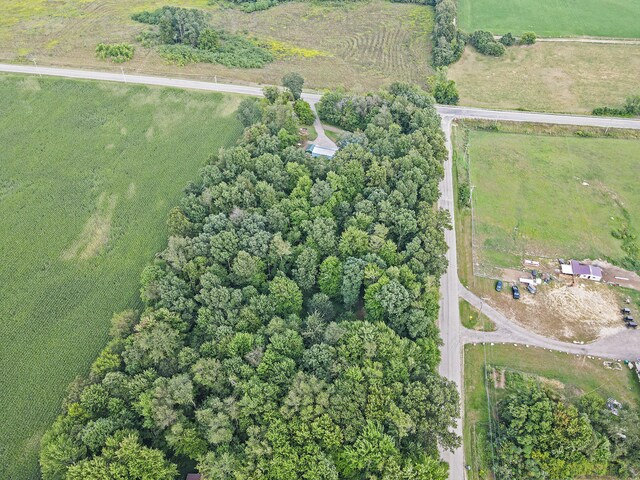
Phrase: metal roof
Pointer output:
(323, 151)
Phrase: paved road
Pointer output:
(534, 117)
(312, 98)
(450, 326)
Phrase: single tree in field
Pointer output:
(294, 82)
(443, 90)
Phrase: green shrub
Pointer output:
(631, 108)
(116, 52)
(484, 43)
(528, 38)
(304, 112)
(507, 40)
(258, 6)
(209, 39)
(234, 51)
(464, 195)
(444, 91)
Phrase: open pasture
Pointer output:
(88, 174)
(552, 18)
(550, 196)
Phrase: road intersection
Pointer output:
(453, 334)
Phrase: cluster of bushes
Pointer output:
(542, 437)
(448, 41)
(631, 108)
(484, 43)
(257, 5)
(116, 52)
(234, 51)
(185, 37)
(289, 328)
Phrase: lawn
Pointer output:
(473, 319)
(89, 172)
(550, 196)
(555, 77)
(360, 45)
(567, 374)
(552, 18)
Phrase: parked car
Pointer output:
(516, 292)
(626, 311)
(632, 325)
(531, 288)
(499, 286)
(628, 319)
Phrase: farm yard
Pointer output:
(543, 193)
(89, 172)
(566, 375)
(554, 77)
(360, 46)
(552, 18)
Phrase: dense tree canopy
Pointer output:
(541, 436)
(290, 324)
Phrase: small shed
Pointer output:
(193, 476)
(318, 151)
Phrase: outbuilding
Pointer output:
(318, 151)
(582, 270)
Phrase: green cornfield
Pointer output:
(88, 173)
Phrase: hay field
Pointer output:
(360, 46)
(555, 77)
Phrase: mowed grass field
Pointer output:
(88, 174)
(552, 18)
(555, 77)
(360, 46)
(550, 196)
(566, 374)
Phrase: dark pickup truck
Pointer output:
(516, 292)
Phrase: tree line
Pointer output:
(289, 327)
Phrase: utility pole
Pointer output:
(123, 77)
